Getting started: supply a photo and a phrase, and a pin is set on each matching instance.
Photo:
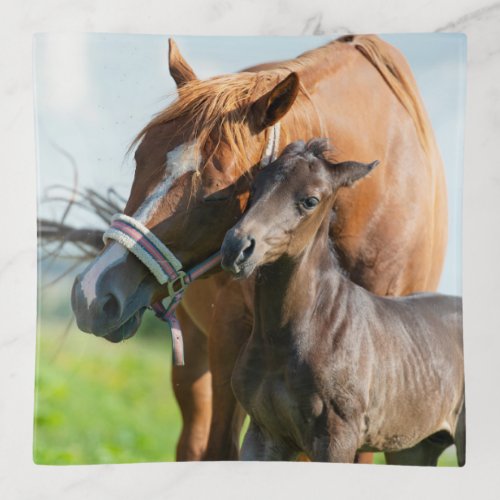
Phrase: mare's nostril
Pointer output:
(111, 306)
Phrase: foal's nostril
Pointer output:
(247, 250)
(111, 306)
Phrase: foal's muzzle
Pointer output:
(236, 251)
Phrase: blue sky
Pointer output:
(94, 92)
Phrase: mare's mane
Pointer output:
(219, 107)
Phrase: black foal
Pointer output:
(331, 368)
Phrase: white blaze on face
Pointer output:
(184, 158)
(112, 256)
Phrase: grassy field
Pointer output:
(98, 402)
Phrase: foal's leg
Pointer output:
(339, 445)
(460, 438)
(421, 454)
(258, 447)
(427, 452)
(193, 390)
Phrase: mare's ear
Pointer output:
(347, 173)
(271, 107)
(180, 70)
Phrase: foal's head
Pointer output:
(290, 200)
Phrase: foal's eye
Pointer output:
(310, 202)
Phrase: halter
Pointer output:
(164, 265)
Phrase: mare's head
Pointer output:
(190, 186)
(290, 200)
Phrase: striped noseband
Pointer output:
(164, 265)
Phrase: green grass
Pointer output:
(98, 402)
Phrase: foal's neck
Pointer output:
(292, 292)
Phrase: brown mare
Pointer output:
(191, 185)
(331, 368)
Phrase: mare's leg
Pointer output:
(231, 328)
(427, 452)
(258, 447)
(193, 390)
(364, 457)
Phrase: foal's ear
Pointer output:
(348, 172)
(180, 70)
(271, 107)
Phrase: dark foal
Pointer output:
(331, 368)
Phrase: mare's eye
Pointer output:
(310, 202)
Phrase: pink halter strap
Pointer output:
(164, 265)
(166, 268)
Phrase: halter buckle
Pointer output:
(178, 285)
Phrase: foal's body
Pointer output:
(331, 368)
(344, 369)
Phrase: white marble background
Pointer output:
(20, 479)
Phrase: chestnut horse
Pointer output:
(194, 162)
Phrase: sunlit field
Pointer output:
(98, 402)
(103, 403)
